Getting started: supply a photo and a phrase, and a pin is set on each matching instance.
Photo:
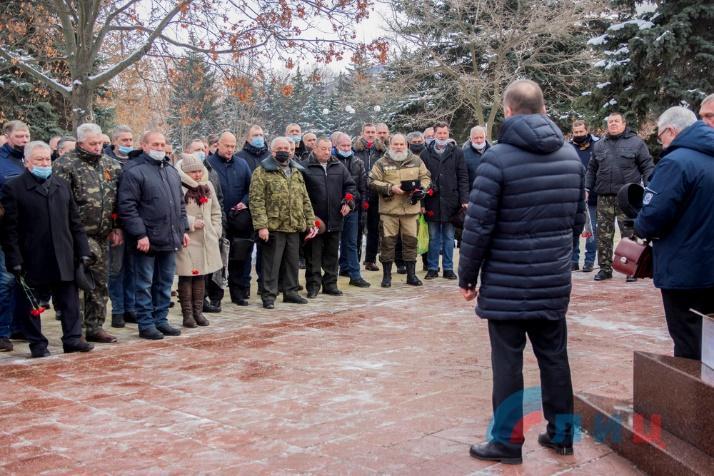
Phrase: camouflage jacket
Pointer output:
(94, 185)
(280, 202)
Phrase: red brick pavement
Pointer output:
(391, 381)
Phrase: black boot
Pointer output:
(387, 274)
(493, 451)
(411, 274)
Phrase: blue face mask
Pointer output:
(125, 149)
(429, 140)
(200, 155)
(41, 172)
(296, 139)
(344, 154)
(441, 142)
(258, 142)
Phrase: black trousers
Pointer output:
(236, 282)
(321, 254)
(684, 326)
(370, 255)
(65, 298)
(549, 342)
(279, 264)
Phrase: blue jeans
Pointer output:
(7, 298)
(441, 241)
(590, 243)
(154, 278)
(122, 279)
(349, 259)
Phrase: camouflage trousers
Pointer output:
(93, 304)
(391, 227)
(607, 213)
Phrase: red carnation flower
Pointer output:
(194, 272)
(365, 205)
(115, 216)
(37, 311)
(317, 223)
(349, 197)
(430, 192)
(202, 200)
(430, 213)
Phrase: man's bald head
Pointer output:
(523, 97)
(226, 145)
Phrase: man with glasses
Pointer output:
(618, 159)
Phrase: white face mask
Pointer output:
(157, 155)
(479, 146)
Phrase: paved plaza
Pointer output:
(386, 381)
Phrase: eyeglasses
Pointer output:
(659, 135)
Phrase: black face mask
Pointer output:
(580, 139)
(282, 156)
(416, 148)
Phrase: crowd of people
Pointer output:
(113, 218)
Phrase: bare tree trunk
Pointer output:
(82, 99)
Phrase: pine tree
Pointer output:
(655, 59)
(193, 104)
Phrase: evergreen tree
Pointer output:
(655, 59)
(193, 108)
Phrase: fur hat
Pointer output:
(191, 164)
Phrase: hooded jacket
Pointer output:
(388, 172)
(527, 201)
(677, 211)
(253, 155)
(617, 161)
(327, 187)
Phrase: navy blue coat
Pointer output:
(234, 178)
(472, 157)
(151, 203)
(585, 152)
(10, 164)
(253, 156)
(451, 180)
(527, 201)
(678, 211)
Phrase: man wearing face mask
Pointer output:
(234, 176)
(583, 142)
(152, 210)
(473, 150)
(122, 144)
(428, 135)
(349, 257)
(255, 149)
(281, 210)
(42, 239)
(415, 140)
(93, 179)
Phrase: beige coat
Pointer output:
(388, 172)
(203, 254)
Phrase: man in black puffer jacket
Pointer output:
(527, 202)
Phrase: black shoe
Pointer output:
(17, 336)
(371, 266)
(294, 298)
(39, 353)
(332, 291)
(561, 449)
(412, 278)
(312, 293)
(80, 346)
(130, 318)
(268, 305)
(401, 269)
(345, 274)
(449, 274)
(630, 279)
(587, 268)
(574, 267)
(210, 307)
(301, 263)
(431, 274)
(602, 275)
(359, 282)
(492, 451)
(5, 344)
(167, 330)
(387, 275)
(240, 302)
(118, 321)
(151, 333)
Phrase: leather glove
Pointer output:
(416, 196)
(85, 260)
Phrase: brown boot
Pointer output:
(199, 289)
(186, 299)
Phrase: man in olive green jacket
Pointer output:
(399, 208)
(281, 210)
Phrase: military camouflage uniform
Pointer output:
(607, 212)
(279, 202)
(94, 184)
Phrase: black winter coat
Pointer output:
(42, 231)
(618, 161)
(356, 167)
(151, 203)
(473, 157)
(253, 155)
(449, 178)
(527, 202)
(327, 188)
